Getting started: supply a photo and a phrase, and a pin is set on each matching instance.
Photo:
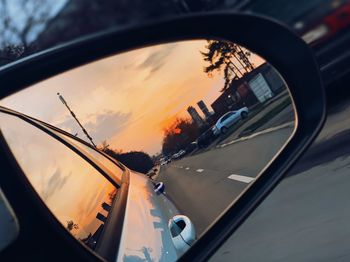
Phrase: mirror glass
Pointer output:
(194, 121)
(72, 189)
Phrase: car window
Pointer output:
(75, 192)
(103, 160)
(30, 26)
(227, 116)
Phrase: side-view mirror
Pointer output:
(183, 233)
(207, 104)
(159, 188)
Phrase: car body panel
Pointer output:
(145, 234)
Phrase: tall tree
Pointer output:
(136, 160)
(178, 135)
(32, 18)
(21, 21)
(227, 57)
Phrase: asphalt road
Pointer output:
(306, 218)
(203, 185)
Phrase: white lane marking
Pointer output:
(187, 168)
(199, 170)
(245, 179)
(180, 166)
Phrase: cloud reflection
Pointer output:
(118, 97)
(55, 183)
(157, 59)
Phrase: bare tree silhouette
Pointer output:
(71, 225)
(17, 32)
(228, 57)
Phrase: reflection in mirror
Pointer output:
(70, 187)
(203, 117)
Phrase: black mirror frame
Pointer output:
(271, 40)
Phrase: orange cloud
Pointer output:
(127, 99)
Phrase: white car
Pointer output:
(179, 154)
(164, 229)
(228, 119)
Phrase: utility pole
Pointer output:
(76, 119)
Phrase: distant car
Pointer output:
(165, 161)
(179, 154)
(228, 119)
(191, 147)
(206, 138)
(175, 156)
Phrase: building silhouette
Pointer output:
(202, 106)
(247, 91)
(195, 116)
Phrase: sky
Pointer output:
(126, 99)
(20, 12)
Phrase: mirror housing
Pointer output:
(183, 233)
(299, 71)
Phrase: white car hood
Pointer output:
(145, 235)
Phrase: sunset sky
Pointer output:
(126, 99)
